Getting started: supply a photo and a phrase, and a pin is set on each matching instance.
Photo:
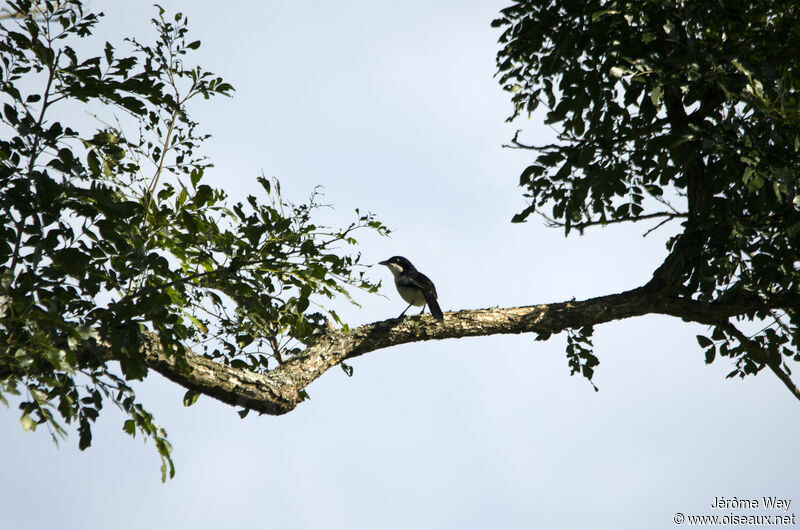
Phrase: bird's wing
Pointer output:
(424, 284)
(420, 281)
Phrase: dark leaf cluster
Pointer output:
(580, 353)
(671, 110)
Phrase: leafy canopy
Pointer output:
(673, 110)
(109, 233)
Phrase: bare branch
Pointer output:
(784, 377)
(580, 227)
(757, 353)
(516, 144)
(656, 227)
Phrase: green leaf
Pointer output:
(703, 341)
(346, 368)
(11, 114)
(202, 327)
(710, 354)
(190, 398)
(617, 71)
(27, 423)
(655, 95)
(129, 427)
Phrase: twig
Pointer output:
(659, 225)
(599, 222)
(756, 351)
(152, 187)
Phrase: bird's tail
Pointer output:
(434, 307)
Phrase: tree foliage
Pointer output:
(674, 111)
(115, 249)
(110, 235)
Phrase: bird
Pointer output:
(413, 286)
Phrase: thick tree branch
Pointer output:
(685, 155)
(279, 391)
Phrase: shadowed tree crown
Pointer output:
(682, 112)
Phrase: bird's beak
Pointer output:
(384, 262)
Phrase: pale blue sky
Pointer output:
(377, 101)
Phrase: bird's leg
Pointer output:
(404, 310)
(423, 309)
